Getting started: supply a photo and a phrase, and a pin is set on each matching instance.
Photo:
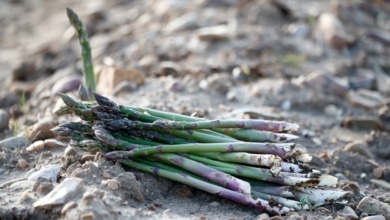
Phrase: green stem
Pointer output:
(89, 73)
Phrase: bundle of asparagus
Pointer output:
(252, 162)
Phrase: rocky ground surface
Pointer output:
(322, 64)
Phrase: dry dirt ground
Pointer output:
(322, 64)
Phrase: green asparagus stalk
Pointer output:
(289, 179)
(207, 172)
(261, 148)
(207, 187)
(89, 73)
(264, 160)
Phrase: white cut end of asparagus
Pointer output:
(327, 180)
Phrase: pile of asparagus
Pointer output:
(252, 162)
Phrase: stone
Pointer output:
(324, 82)
(124, 87)
(110, 77)
(49, 172)
(219, 32)
(373, 206)
(67, 84)
(366, 99)
(61, 194)
(14, 142)
(359, 148)
(330, 28)
(70, 152)
(374, 217)
(36, 146)
(186, 21)
(347, 213)
(42, 129)
(381, 183)
(130, 186)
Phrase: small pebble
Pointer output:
(43, 186)
(182, 191)
(61, 194)
(42, 130)
(214, 204)
(130, 186)
(168, 68)
(67, 84)
(88, 216)
(359, 148)
(381, 183)
(106, 175)
(36, 146)
(70, 152)
(88, 157)
(220, 32)
(373, 206)
(374, 217)
(53, 143)
(324, 82)
(68, 206)
(4, 119)
(186, 21)
(49, 172)
(14, 142)
(276, 218)
(112, 184)
(88, 196)
(340, 176)
(364, 122)
(22, 163)
(262, 216)
(148, 61)
(347, 213)
(124, 87)
(331, 29)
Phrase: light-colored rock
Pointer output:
(124, 87)
(111, 77)
(347, 213)
(130, 186)
(331, 29)
(219, 32)
(36, 146)
(373, 206)
(183, 22)
(366, 99)
(41, 129)
(381, 183)
(61, 194)
(359, 148)
(48, 172)
(374, 217)
(14, 142)
(67, 84)
(325, 83)
(53, 143)
(262, 216)
(70, 152)
(4, 119)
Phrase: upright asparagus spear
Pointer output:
(86, 54)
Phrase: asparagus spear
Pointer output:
(207, 187)
(264, 160)
(89, 73)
